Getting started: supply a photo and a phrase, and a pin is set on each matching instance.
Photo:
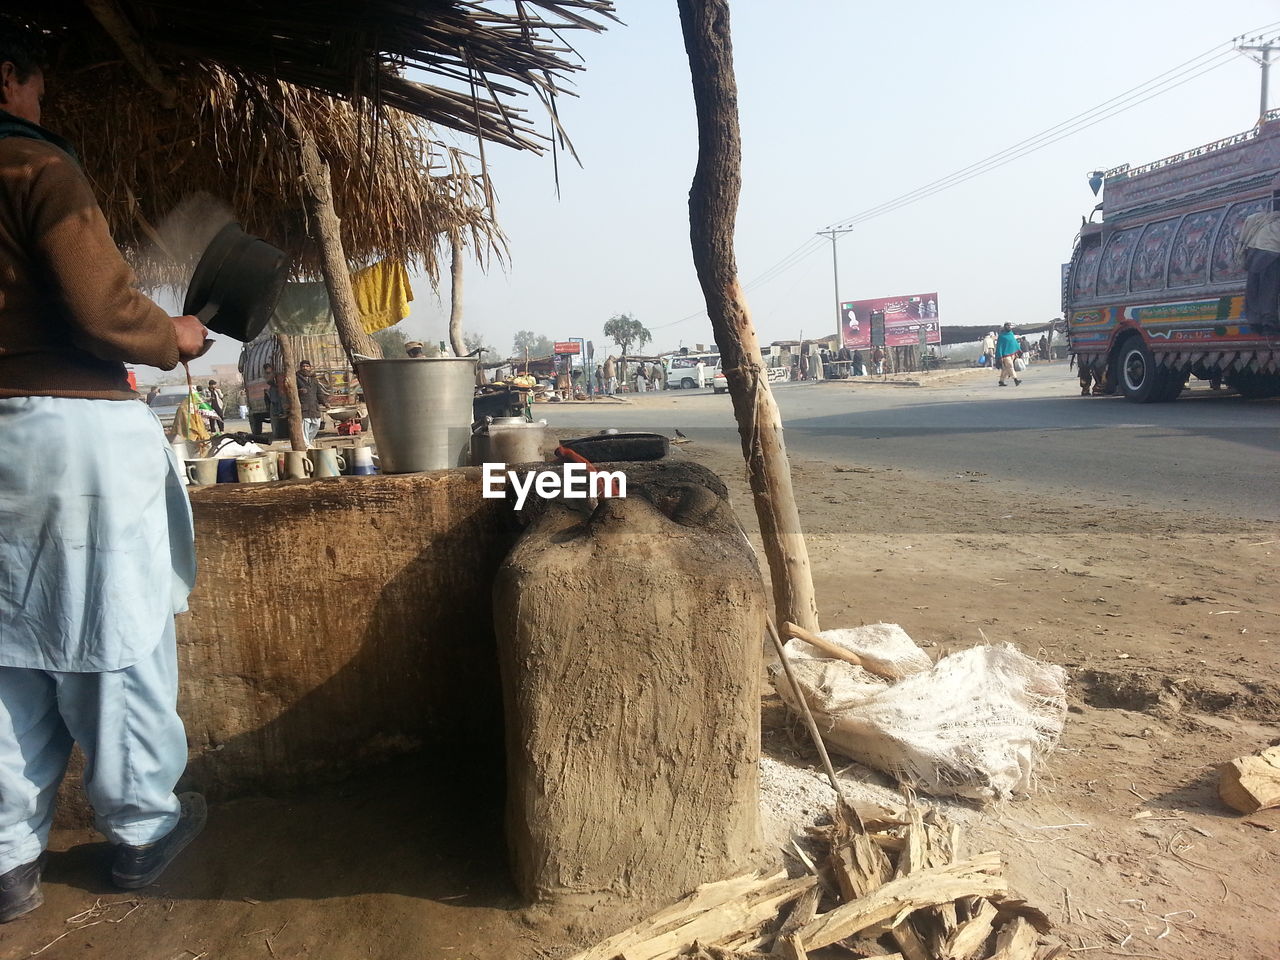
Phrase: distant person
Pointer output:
(1042, 347)
(844, 362)
(414, 350)
(642, 381)
(611, 375)
(1258, 254)
(274, 397)
(152, 394)
(656, 379)
(1006, 349)
(1024, 346)
(313, 397)
(857, 365)
(217, 402)
(877, 360)
(701, 371)
(989, 350)
(244, 412)
(599, 380)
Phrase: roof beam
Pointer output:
(113, 20)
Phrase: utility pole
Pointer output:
(834, 234)
(1259, 51)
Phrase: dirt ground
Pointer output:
(1165, 620)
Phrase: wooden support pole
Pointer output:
(326, 230)
(455, 296)
(289, 387)
(713, 207)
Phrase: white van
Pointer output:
(682, 369)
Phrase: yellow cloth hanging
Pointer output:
(382, 294)
(188, 422)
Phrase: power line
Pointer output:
(1211, 59)
(1043, 139)
(939, 186)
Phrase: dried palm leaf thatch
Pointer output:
(168, 178)
(478, 57)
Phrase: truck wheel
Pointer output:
(688, 383)
(1175, 381)
(1140, 380)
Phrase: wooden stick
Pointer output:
(713, 206)
(837, 651)
(326, 230)
(804, 709)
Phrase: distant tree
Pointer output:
(392, 341)
(537, 344)
(476, 341)
(625, 330)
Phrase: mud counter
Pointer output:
(336, 623)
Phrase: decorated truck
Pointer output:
(1155, 292)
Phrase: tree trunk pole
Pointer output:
(713, 206)
(326, 230)
(292, 405)
(455, 296)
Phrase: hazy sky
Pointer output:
(845, 104)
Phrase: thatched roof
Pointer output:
(167, 99)
(167, 178)
(479, 57)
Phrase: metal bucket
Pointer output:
(509, 440)
(420, 409)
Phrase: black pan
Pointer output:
(612, 447)
(236, 284)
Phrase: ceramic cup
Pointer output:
(328, 462)
(227, 471)
(203, 470)
(253, 469)
(297, 465)
(362, 461)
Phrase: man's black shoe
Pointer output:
(135, 867)
(20, 891)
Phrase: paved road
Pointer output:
(1206, 452)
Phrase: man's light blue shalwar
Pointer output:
(96, 555)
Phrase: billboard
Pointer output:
(565, 348)
(904, 319)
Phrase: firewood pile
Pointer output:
(888, 884)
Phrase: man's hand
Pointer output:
(191, 337)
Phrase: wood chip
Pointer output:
(712, 913)
(1016, 940)
(969, 937)
(803, 912)
(1250, 784)
(977, 876)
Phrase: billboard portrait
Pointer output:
(904, 318)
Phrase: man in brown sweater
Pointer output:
(96, 552)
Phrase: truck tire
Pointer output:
(688, 383)
(1137, 375)
(1175, 381)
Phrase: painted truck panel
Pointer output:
(1162, 266)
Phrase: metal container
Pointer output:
(420, 409)
(509, 440)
